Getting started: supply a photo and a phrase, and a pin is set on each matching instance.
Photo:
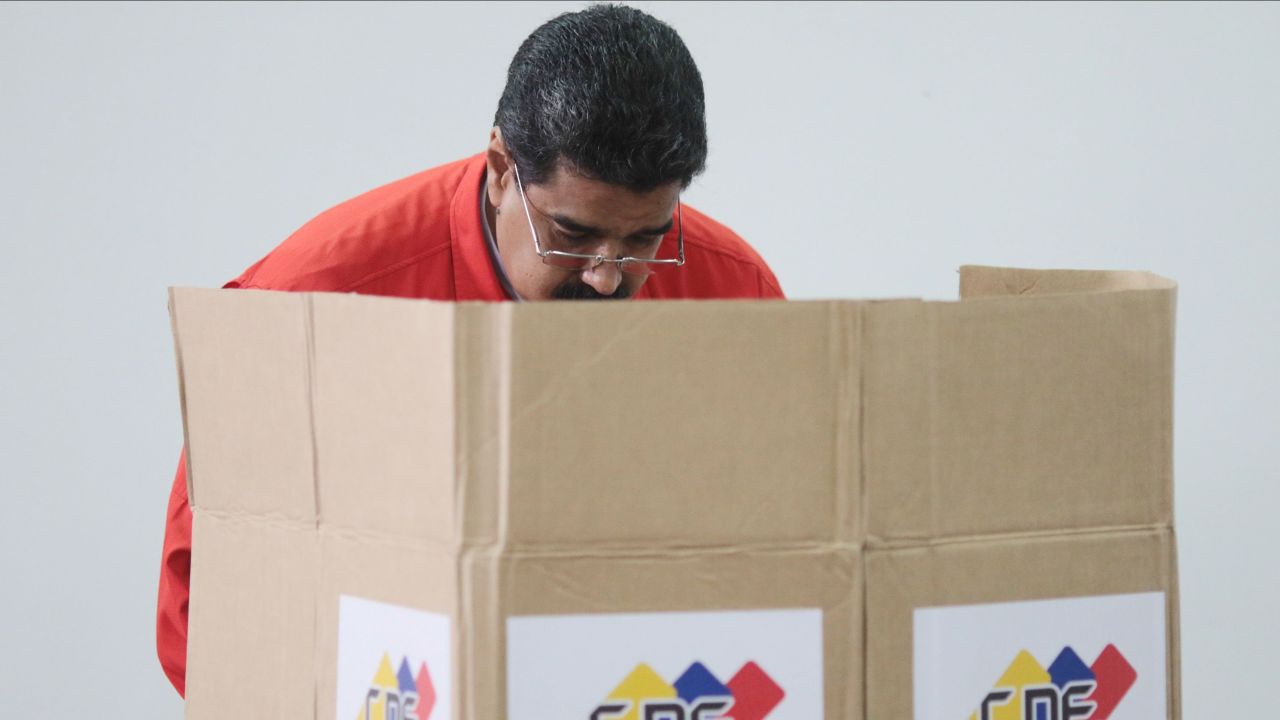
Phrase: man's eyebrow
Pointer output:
(574, 226)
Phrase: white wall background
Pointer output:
(866, 150)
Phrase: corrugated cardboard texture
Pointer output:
(983, 281)
(383, 384)
(1017, 446)
(325, 425)
(1018, 414)
(643, 424)
(823, 577)
(245, 376)
(482, 401)
(961, 573)
(252, 645)
(607, 463)
(386, 569)
(571, 457)
(383, 381)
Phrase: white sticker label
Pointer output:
(676, 666)
(1086, 658)
(393, 662)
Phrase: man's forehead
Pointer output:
(588, 201)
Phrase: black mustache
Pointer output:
(578, 290)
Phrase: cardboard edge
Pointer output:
(1173, 631)
(848, 320)
(173, 293)
(482, 364)
(318, 665)
(176, 298)
(979, 281)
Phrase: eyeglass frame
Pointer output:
(597, 260)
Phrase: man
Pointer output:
(577, 196)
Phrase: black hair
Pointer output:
(612, 93)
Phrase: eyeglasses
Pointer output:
(580, 261)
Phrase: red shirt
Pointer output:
(421, 237)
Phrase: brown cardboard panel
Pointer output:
(1018, 414)
(983, 281)
(384, 415)
(1073, 565)
(898, 460)
(482, 360)
(681, 424)
(498, 461)
(244, 371)
(829, 578)
(385, 569)
(251, 647)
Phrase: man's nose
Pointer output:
(603, 278)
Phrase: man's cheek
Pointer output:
(635, 282)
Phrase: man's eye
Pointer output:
(572, 238)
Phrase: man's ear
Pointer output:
(498, 163)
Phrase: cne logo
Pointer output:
(1067, 690)
(696, 695)
(399, 695)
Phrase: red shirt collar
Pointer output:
(474, 277)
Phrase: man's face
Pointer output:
(574, 214)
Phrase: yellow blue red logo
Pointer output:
(1066, 690)
(399, 694)
(750, 694)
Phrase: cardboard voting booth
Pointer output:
(684, 510)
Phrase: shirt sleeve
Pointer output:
(175, 583)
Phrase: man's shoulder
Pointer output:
(391, 226)
(719, 264)
(709, 235)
